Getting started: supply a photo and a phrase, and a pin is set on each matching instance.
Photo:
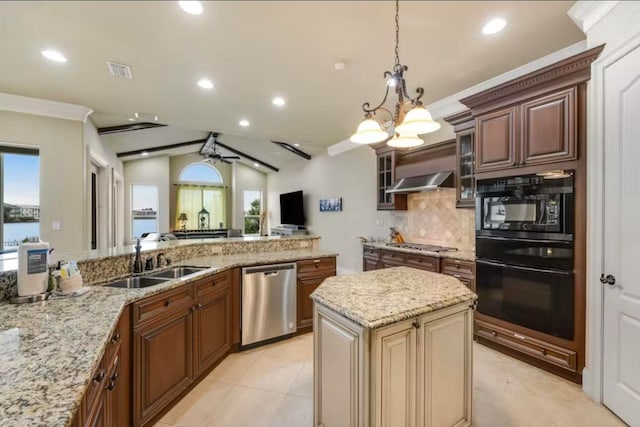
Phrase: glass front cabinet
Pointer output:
(385, 175)
(464, 127)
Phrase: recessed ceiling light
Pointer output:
(137, 116)
(256, 165)
(191, 7)
(338, 66)
(244, 123)
(155, 118)
(494, 26)
(205, 84)
(145, 153)
(279, 101)
(53, 55)
(296, 145)
(131, 119)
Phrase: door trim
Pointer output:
(592, 374)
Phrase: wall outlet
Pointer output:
(56, 225)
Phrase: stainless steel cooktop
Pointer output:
(421, 247)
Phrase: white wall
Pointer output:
(246, 178)
(150, 171)
(352, 176)
(62, 173)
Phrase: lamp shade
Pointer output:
(369, 132)
(405, 141)
(417, 122)
(182, 217)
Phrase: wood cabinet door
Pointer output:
(548, 126)
(163, 357)
(369, 264)
(394, 376)
(212, 330)
(496, 140)
(444, 369)
(305, 304)
(99, 415)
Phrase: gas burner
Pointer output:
(420, 247)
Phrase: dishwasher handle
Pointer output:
(268, 270)
(271, 273)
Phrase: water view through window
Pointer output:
(20, 195)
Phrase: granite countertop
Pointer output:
(461, 255)
(382, 297)
(49, 350)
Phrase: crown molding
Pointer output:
(43, 107)
(586, 14)
(570, 71)
(451, 105)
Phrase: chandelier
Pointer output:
(409, 117)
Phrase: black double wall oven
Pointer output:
(525, 251)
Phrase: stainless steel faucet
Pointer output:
(137, 264)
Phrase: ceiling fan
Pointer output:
(210, 150)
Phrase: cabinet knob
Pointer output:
(494, 333)
(416, 324)
(167, 303)
(214, 283)
(100, 376)
(198, 306)
(116, 338)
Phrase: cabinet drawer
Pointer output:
(371, 253)
(456, 267)
(422, 262)
(95, 388)
(539, 349)
(393, 257)
(319, 266)
(212, 285)
(163, 304)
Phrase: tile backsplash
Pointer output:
(432, 218)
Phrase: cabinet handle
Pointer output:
(214, 283)
(99, 377)
(113, 381)
(198, 306)
(116, 338)
(494, 333)
(167, 303)
(416, 324)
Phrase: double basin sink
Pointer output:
(155, 278)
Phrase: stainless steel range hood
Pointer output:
(422, 183)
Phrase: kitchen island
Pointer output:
(393, 348)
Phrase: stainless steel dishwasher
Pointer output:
(268, 302)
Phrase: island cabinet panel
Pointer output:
(394, 379)
(163, 362)
(444, 369)
(311, 273)
(496, 140)
(212, 328)
(548, 126)
(422, 262)
(340, 381)
(392, 258)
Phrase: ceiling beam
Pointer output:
(247, 156)
(129, 127)
(161, 148)
(293, 149)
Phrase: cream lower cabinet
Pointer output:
(414, 373)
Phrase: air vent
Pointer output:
(119, 70)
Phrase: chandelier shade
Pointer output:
(418, 121)
(405, 141)
(369, 132)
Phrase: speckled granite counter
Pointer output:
(461, 255)
(49, 350)
(378, 298)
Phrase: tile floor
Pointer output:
(272, 386)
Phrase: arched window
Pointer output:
(201, 173)
(201, 198)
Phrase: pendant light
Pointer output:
(410, 118)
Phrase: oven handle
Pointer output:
(537, 270)
(520, 239)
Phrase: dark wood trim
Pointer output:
(527, 170)
(569, 71)
(160, 148)
(292, 149)
(246, 156)
(129, 128)
(461, 121)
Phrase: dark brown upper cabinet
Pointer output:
(386, 158)
(548, 128)
(496, 146)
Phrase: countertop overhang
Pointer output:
(382, 297)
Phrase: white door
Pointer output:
(621, 392)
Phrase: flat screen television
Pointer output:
(291, 208)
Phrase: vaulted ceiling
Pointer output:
(253, 51)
